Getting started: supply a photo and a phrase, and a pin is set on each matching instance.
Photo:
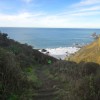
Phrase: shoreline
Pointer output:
(60, 53)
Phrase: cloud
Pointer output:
(86, 13)
(20, 16)
(27, 19)
(84, 8)
(80, 16)
(33, 20)
(94, 8)
(87, 2)
(27, 1)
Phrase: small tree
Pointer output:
(4, 35)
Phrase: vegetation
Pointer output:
(95, 36)
(27, 74)
(89, 53)
(18, 64)
(77, 81)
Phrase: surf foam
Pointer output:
(61, 52)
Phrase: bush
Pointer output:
(89, 68)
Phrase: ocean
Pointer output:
(55, 40)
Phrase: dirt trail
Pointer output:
(49, 89)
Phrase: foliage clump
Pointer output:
(77, 81)
(18, 64)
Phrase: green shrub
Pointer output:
(13, 97)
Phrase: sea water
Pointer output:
(57, 41)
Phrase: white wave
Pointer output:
(61, 52)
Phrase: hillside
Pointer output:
(19, 64)
(89, 53)
(26, 74)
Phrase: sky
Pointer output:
(50, 13)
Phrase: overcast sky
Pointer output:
(50, 13)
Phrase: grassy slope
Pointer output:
(89, 53)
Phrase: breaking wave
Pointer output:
(61, 52)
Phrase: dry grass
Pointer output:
(89, 53)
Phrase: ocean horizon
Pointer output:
(57, 41)
(50, 37)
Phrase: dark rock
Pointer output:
(43, 50)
